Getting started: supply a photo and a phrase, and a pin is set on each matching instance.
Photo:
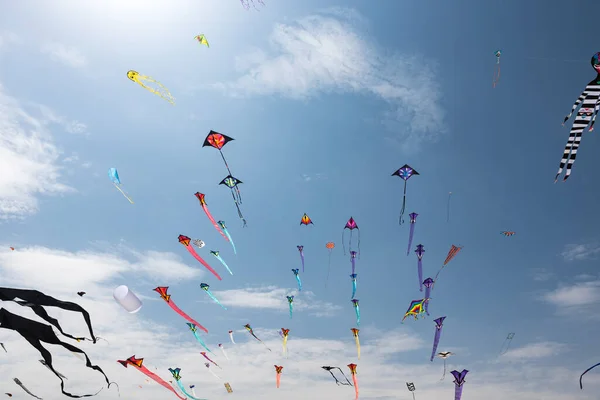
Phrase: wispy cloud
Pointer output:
(316, 177)
(329, 53)
(273, 298)
(66, 55)
(577, 252)
(534, 351)
(69, 125)
(542, 274)
(29, 160)
(576, 297)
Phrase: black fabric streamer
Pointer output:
(36, 333)
(18, 382)
(337, 381)
(35, 300)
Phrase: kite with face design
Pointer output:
(590, 105)
(152, 85)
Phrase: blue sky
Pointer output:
(324, 103)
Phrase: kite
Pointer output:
(428, 283)
(185, 241)
(413, 220)
(138, 363)
(176, 375)
(337, 381)
(444, 355)
(193, 389)
(127, 299)
(8, 394)
(496, 78)
(305, 220)
(162, 290)
(202, 198)
(353, 277)
(590, 106)
(249, 329)
(232, 183)
(278, 369)
(419, 252)
(4, 348)
(12, 248)
(301, 251)
(507, 233)
(350, 225)
(296, 272)
(206, 288)
(459, 380)
(80, 294)
(226, 232)
(451, 253)
(284, 334)
(223, 350)
(246, 4)
(202, 39)
(448, 207)
(354, 378)
(231, 337)
(415, 309)
(160, 90)
(218, 257)
(405, 173)
(114, 177)
(329, 246)
(228, 387)
(506, 344)
(290, 300)
(194, 330)
(411, 388)
(208, 358)
(207, 365)
(356, 310)
(355, 334)
(198, 243)
(585, 372)
(18, 382)
(46, 365)
(439, 324)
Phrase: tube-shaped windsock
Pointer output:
(127, 299)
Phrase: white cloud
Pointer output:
(70, 126)
(534, 351)
(28, 161)
(328, 53)
(578, 252)
(317, 176)
(542, 274)
(574, 297)
(66, 55)
(274, 298)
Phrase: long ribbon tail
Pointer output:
(185, 316)
(355, 380)
(357, 347)
(201, 261)
(457, 392)
(353, 287)
(299, 283)
(237, 206)
(410, 238)
(158, 380)
(199, 339)
(443, 376)
(231, 241)
(291, 309)
(231, 337)
(357, 316)
(224, 353)
(426, 303)
(214, 374)
(256, 337)
(302, 258)
(212, 296)
(123, 193)
(436, 341)
(400, 219)
(420, 272)
(353, 261)
(212, 220)
(224, 264)
(285, 345)
(182, 388)
(277, 380)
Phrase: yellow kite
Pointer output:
(159, 89)
(202, 40)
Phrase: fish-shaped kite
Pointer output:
(278, 369)
(290, 300)
(296, 272)
(405, 173)
(354, 377)
(356, 310)
(351, 225)
(459, 381)
(177, 376)
(428, 283)
(223, 350)
(162, 291)
(301, 251)
(208, 358)
(226, 232)
(218, 257)
(305, 220)
(419, 252)
(337, 381)
(113, 175)
(202, 199)
(250, 331)
(202, 39)
(206, 288)
(413, 220)
(356, 339)
(147, 82)
(415, 309)
(194, 331)
(284, 335)
(496, 78)
(137, 363)
(444, 355)
(439, 324)
(185, 241)
(231, 337)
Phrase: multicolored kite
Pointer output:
(114, 177)
(354, 378)
(284, 335)
(185, 241)
(405, 173)
(290, 300)
(218, 257)
(296, 272)
(301, 251)
(444, 355)
(585, 116)
(137, 363)
(206, 288)
(162, 290)
(226, 231)
(496, 78)
(415, 309)
(337, 381)
(278, 369)
(228, 387)
(451, 253)
(459, 380)
(413, 220)
(158, 90)
(202, 198)
(419, 252)
(350, 225)
(507, 233)
(249, 329)
(439, 324)
(194, 330)
(232, 183)
(305, 220)
(177, 376)
(202, 39)
(356, 339)
(356, 310)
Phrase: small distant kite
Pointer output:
(496, 78)
(158, 90)
(250, 331)
(278, 370)
(12, 248)
(206, 288)
(202, 39)
(507, 233)
(350, 225)
(305, 220)
(405, 173)
(413, 220)
(444, 355)
(357, 340)
(506, 343)
(202, 199)
(81, 294)
(114, 177)
(419, 252)
(228, 387)
(354, 378)
(451, 254)
(246, 4)
(18, 382)
(585, 116)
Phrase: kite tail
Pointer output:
(302, 258)
(355, 380)
(182, 388)
(224, 264)
(410, 238)
(240, 215)
(413, 393)
(299, 283)
(212, 296)
(231, 240)
(201, 261)
(199, 339)
(291, 310)
(123, 193)
(212, 220)
(353, 261)
(400, 219)
(357, 315)
(328, 269)
(436, 341)
(277, 380)
(224, 353)
(443, 376)
(420, 271)
(357, 346)
(285, 345)
(231, 337)
(185, 316)
(353, 276)
(496, 74)
(157, 379)
(457, 392)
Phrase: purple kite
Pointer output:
(405, 172)
(439, 324)
(413, 219)
(420, 251)
(351, 225)
(301, 250)
(428, 283)
(459, 380)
